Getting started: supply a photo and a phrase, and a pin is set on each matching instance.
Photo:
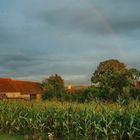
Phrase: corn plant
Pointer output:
(70, 121)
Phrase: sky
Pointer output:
(68, 37)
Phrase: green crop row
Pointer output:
(66, 121)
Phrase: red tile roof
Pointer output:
(24, 87)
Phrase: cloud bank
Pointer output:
(39, 38)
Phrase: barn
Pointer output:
(18, 89)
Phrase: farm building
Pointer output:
(17, 89)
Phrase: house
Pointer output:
(17, 89)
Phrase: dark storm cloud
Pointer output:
(19, 62)
(15, 62)
(28, 64)
(69, 37)
(96, 17)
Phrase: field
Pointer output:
(70, 121)
(10, 137)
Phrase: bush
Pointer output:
(135, 93)
(82, 95)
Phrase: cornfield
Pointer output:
(70, 121)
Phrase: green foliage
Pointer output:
(10, 137)
(82, 95)
(106, 68)
(135, 74)
(135, 93)
(49, 91)
(71, 121)
(53, 87)
(112, 77)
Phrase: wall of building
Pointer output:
(38, 97)
(17, 95)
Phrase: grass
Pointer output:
(10, 137)
(67, 120)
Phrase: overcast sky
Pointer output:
(68, 37)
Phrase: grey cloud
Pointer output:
(25, 64)
(96, 18)
(39, 38)
(21, 58)
(76, 19)
(134, 64)
(19, 62)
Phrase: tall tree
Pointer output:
(107, 68)
(53, 86)
(111, 75)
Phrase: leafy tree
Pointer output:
(48, 91)
(112, 77)
(135, 74)
(134, 90)
(53, 87)
(106, 68)
(118, 81)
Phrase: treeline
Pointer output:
(111, 81)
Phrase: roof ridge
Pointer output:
(8, 78)
(5, 78)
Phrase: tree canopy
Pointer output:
(135, 74)
(107, 68)
(53, 86)
(112, 77)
